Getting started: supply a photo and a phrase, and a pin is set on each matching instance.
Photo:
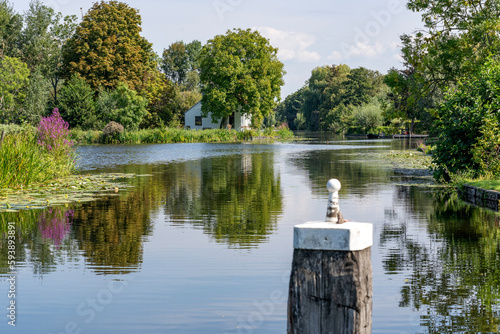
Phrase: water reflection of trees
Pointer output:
(108, 232)
(235, 199)
(453, 279)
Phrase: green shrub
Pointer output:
(112, 129)
(122, 105)
(76, 104)
(468, 126)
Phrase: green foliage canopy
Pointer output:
(107, 48)
(76, 103)
(11, 25)
(14, 76)
(459, 35)
(122, 105)
(240, 71)
(42, 39)
(468, 126)
(328, 99)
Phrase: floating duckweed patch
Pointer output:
(64, 191)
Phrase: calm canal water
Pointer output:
(202, 243)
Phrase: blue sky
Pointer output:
(308, 33)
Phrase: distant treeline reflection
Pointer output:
(235, 199)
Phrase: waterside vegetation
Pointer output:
(177, 135)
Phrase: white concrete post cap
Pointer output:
(350, 236)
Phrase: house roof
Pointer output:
(199, 102)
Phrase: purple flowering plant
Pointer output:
(53, 135)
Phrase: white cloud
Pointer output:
(291, 45)
(358, 50)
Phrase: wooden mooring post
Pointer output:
(331, 281)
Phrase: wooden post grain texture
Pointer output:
(330, 292)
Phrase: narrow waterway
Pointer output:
(202, 243)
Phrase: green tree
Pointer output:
(468, 126)
(287, 110)
(331, 93)
(193, 50)
(107, 48)
(408, 100)
(14, 76)
(37, 98)
(175, 62)
(180, 63)
(368, 116)
(122, 105)
(240, 71)
(11, 24)
(457, 38)
(42, 39)
(76, 103)
(362, 85)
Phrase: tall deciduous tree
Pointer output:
(37, 98)
(331, 93)
(175, 62)
(459, 35)
(122, 105)
(180, 63)
(42, 39)
(468, 126)
(107, 48)
(11, 24)
(457, 39)
(240, 71)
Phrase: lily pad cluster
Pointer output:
(64, 191)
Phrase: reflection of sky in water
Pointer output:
(109, 156)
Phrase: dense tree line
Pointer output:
(337, 98)
(95, 71)
(101, 70)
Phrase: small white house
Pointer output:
(195, 121)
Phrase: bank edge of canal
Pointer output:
(411, 163)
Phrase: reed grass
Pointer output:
(174, 135)
(23, 161)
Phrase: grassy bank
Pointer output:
(172, 135)
(483, 184)
(23, 161)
